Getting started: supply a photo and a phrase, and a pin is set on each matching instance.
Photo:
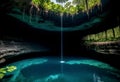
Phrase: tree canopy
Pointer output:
(70, 6)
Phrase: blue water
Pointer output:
(75, 70)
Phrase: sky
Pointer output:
(60, 3)
(55, 0)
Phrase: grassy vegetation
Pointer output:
(112, 34)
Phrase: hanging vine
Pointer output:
(69, 7)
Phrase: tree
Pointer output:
(76, 2)
(67, 4)
(113, 31)
(61, 1)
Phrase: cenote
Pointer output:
(59, 41)
(49, 70)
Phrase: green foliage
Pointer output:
(61, 1)
(72, 10)
(67, 4)
(69, 7)
(47, 6)
(1, 75)
(11, 68)
(77, 2)
(107, 35)
(5, 70)
(78, 5)
(36, 2)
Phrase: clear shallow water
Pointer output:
(74, 70)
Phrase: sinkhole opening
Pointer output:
(75, 12)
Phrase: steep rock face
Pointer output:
(10, 49)
(109, 47)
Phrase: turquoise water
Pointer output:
(74, 70)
